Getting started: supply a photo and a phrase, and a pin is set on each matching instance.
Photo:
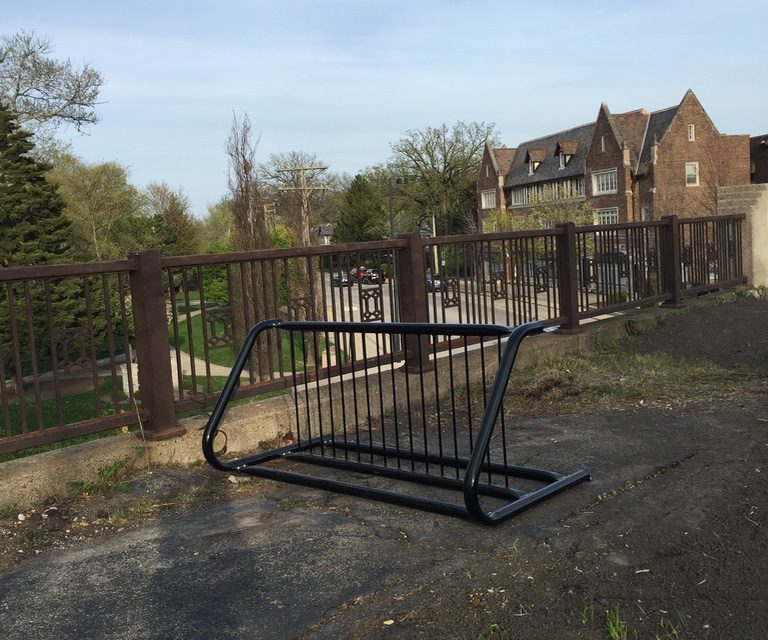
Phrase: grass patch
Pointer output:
(191, 333)
(617, 378)
(658, 625)
(75, 407)
(107, 481)
(616, 627)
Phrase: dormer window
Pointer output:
(691, 133)
(535, 158)
(564, 158)
(565, 150)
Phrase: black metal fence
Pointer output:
(92, 347)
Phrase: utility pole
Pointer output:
(299, 183)
(305, 191)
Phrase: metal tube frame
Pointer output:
(474, 466)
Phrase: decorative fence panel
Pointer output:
(90, 347)
(65, 359)
(505, 279)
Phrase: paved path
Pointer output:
(330, 566)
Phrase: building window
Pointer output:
(692, 174)
(558, 190)
(488, 199)
(608, 216)
(691, 132)
(602, 144)
(562, 160)
(604, 182)
(486, 172)
(519, 196)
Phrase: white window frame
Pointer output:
(691, 133)
(562, 160)
(488, 199)
(609, 215)
(694, 174)
(518, 195)
(605, 182)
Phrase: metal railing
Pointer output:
(65, 332)
(90, 347)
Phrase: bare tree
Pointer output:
(253, 290)
(248, 216)
(42, 92)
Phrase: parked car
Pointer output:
(357, 274)
(341, 279)
(433, 282)
(373, 276)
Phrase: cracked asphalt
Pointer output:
(307, 564)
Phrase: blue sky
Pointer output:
(343, 79)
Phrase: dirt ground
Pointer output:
(674, 546)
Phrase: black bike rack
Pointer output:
(372, 399)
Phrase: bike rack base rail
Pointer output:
(386, 427)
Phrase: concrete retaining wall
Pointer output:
(751, 200)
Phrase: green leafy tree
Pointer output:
(216, 228)
(105, 209)
(555, 207)
(441, 165)
(176, 231)
(363, 217)
(33, 231)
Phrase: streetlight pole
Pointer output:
(391, 208)
(393, 180)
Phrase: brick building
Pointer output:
(493, 172)
(632, 166)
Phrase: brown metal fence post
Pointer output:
(152, 347)
(671, 277)
(567, 276)
(412, 297)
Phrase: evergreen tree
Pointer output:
(363, 217)
(33, 229)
